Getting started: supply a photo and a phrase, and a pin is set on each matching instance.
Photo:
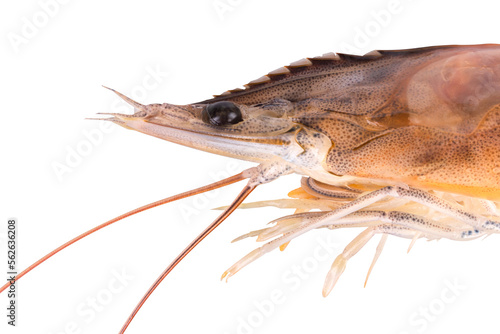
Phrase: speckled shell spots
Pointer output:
(429, 117)
(335, 76)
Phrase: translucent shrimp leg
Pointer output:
(430, 228)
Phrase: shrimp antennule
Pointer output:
(236, 202)
(230, 180)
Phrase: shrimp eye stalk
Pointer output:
(221, 113)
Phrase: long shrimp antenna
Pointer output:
(230, 180)
(236, 202)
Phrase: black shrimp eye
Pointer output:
(221, 113)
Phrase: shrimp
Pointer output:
(399, 143)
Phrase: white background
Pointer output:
(51, 80)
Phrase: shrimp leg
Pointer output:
(430, 228)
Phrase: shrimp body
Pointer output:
(400, 143)
(425, 117)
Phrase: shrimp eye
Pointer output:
(221, 113)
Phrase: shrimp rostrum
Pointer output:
(402, 143)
